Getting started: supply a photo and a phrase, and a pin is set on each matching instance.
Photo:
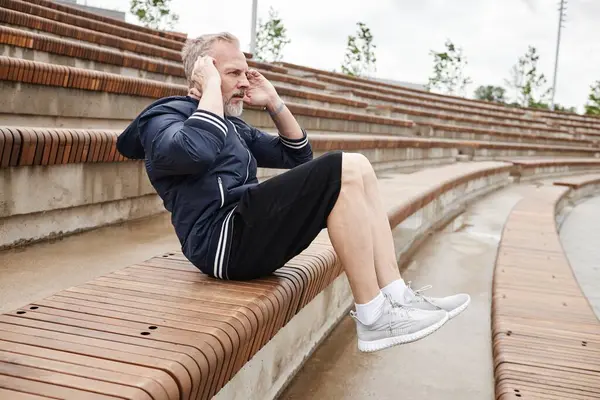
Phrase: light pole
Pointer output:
(561, 15)
(253, 28)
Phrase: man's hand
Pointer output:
(260, 92)
(207, 84)
(205, 73)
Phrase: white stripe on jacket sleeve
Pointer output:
(210, 118)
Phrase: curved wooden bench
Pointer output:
(433, 115)
(160, 329)
(16, 18)
(397, 99)
(416, 94)
(93, 53)
(373, 85)
(532, 168)
(577, 119)
(376, 88)
(93, 24)
(580, 185)
(21, 13)
(525, 137)
(90, 15)
(23, 146)
(578, 182)
(26, 71)
(544, 331)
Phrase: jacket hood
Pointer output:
(128, 142)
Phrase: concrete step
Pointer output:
(39, 270)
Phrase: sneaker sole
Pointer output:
(381, 344)
(460, 309)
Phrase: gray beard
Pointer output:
(233, 110)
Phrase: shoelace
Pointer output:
(419, 292)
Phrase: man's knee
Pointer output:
(355, 166)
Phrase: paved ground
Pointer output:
(453, 363)
(580, 236)
(40, 270)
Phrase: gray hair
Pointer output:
(201, 46)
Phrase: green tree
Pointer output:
(527, 82)
(593, 105)
(155, 14)
(557, 107)
(360, 57)
(449, 70)
(271, 38)
(491, 93)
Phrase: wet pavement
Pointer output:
(453, 363)
(40, 270)
(580, 237)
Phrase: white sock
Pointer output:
(397, 290)
(370, 312)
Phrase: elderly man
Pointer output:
(202, 159)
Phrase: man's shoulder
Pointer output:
(174, 104)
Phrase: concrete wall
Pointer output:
(43, 202)
(69, 185)
(23, 104)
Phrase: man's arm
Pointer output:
(177, 146)
(291, 147)
(283, 118)
(206, 77)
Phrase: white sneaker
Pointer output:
(397, 325)
(453, 305)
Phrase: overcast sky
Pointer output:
(492, 33)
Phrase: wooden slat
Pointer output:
(13, 337)
(94, 387)
(35, 387)
(15, 395)
(146, 390)
(6, 144)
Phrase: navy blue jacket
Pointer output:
(200, 163)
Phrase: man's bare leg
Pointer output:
(379, 323)
(386, 265)
(350, 235)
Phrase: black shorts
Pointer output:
(276, 220)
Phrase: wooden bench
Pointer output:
(432, 115)
(469, 132)
(313, 118)
(545, 334)
(532, 168)
(160, 329)
(48, 20)
(92, 24)
(371, 89)
(408, 101)
(403, 91)
(111, 21)
(580, 185)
